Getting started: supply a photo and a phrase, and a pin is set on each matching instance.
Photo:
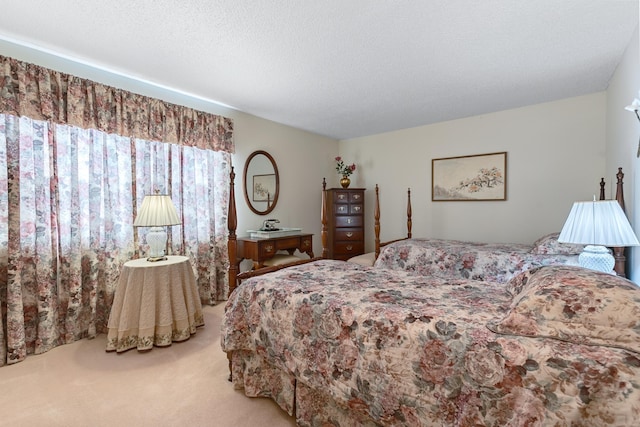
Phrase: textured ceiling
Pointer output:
(342, 68)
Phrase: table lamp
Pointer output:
(598, 224)
(157, 211)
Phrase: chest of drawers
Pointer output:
(345, 222)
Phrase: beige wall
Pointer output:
(622, 133)
(303, 160)
(555, 155)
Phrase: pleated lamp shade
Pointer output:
(157, 210)
(598, 224)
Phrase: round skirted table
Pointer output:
(155, 303)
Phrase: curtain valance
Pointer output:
(43, 94)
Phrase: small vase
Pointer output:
(345, 181)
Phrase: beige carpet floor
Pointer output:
(80, 384)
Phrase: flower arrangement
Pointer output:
(344, 170)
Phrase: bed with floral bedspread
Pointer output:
(336, 343)
(472, 260)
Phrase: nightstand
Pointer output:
(155, 304)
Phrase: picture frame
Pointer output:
(478, 177)
(264, 187)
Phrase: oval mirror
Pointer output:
(261, 182)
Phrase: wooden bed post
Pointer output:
(324, 233)
(409, 222)
(376, 224)
(619, 189)
(232, 245)
(618, 252)
(232, 225)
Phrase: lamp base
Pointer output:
(597, 258)
(157, 240)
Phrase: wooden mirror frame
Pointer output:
(246, 177)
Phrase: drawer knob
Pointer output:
(356, 208)
(268, 248)
(349, 248)
(341, 196)
(356, 196)
(306, 243)
(342, 208)
(349, 234)
(349, 220)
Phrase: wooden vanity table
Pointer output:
(261, 249)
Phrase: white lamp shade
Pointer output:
(156, 210)
(602, 223)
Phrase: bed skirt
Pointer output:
(259, 378)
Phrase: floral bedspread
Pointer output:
(466, 260)
(401, 349)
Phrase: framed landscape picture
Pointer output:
(469, 178)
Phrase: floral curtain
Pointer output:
(65, 234)
(76, 158)
(43, 94)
